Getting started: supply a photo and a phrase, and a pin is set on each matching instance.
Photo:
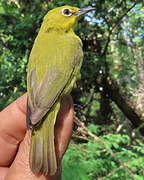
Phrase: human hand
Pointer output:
(15, 140)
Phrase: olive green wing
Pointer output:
(42, 96)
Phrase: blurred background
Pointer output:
(107, 142)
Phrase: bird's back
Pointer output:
(55, 50)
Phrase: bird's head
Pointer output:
(64, 18)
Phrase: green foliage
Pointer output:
(17, 31)
(113, 46)
(93, 160)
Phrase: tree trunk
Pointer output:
(112, 89)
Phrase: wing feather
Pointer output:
(46, 93)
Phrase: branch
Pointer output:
(85, 150)
(107, 43)
(80, 137)
(111, 173)
(119, 19)
(113, 27)
(112, 89)
(105, 146)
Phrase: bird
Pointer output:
(54, 64)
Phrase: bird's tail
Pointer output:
(42, 155)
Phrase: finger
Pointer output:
(12, 129)
(3, 172)
(64, 125)
(20, 168)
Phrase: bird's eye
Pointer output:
(66, 12)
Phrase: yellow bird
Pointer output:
(54, 64)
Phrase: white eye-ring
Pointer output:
(66, 12)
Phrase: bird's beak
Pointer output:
(83, 11)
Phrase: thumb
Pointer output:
(20, 168)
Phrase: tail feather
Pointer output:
(42, 155)
(37, 154)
